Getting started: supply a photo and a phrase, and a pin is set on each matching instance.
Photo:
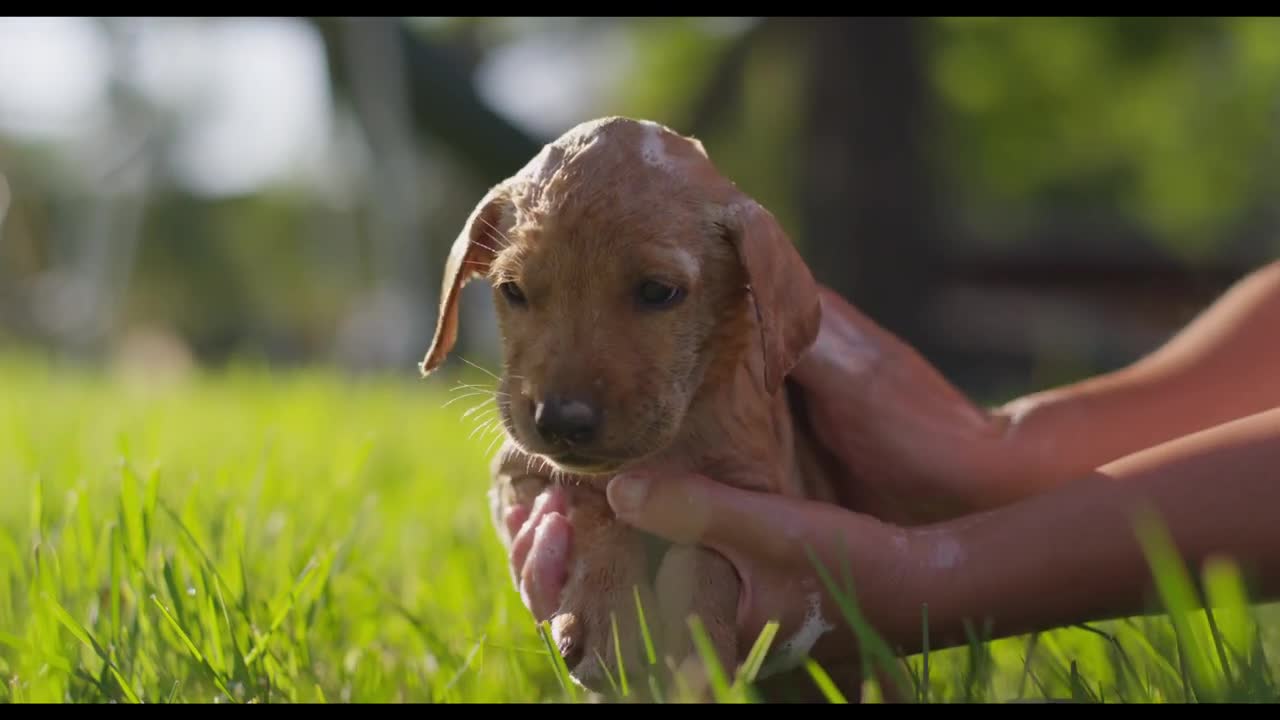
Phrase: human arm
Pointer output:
(910, 440)
(1072, 554)
(1068, 555)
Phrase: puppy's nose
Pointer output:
(560, 419)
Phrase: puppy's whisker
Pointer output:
(485, 405)
(557, 475)
(453, 400)
(542, 465)
(488, 451)
(484, 432)
(479, 429)
(490, 374)
(473, 408)
(498, 427)
(512, 266)
(481, 419)
(481, 245)
(501, 235)
(482, 388)
(482, 424)
(478, 407)
(497, 236)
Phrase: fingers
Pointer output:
(772, 542)
(674, 508)
(687, 508)
(544, 574)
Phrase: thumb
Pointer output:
(678, 507)
(689, 508)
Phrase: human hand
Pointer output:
(798, 563)
(768, 539)
(912, 446)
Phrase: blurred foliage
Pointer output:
(1170, 122)
(675, 63)
(674, 59)
(266, 260)
(1167, 124)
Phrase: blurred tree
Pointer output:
(442, 98)
(867, 191)
(992, 188)
(1170, 123)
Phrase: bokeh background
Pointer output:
(1026, 200)
(262, 207)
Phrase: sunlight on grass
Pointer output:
(250, 537)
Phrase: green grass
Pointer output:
(249, 537)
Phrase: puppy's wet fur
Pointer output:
(649, 312)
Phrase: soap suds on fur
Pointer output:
(792, 653)
(687, 262)
(653, 151)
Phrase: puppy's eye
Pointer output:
(512, 293)
(654, 294)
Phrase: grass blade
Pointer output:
(710, 661)
(924, 672)
(214, 676)
(644, 628)
(557, 662)
(756, 657)
(824, 683)
(617, 650)
(82, 634)
(1230, 616)
(1176, 592)
(608, 676)
(869, 642)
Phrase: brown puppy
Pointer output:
(650, 312)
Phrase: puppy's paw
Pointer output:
(597, 627)
(598, 631)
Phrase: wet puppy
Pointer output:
(649, 312)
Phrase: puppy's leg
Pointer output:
(694, 581)
(608, 568)
(598, 627)
(697, 581)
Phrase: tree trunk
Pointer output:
(867, 195)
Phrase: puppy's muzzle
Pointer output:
(566, 421)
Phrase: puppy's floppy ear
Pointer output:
(783, 290)
(471, 255)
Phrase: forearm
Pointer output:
(1073, 554)
(1222, 366)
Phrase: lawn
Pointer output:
(253, 537)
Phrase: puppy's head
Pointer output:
(627, 273)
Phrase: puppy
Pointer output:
(650, 312)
